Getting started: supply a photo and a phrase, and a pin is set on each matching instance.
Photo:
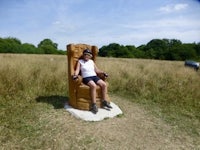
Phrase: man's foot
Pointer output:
(106, 104)
(94, 108)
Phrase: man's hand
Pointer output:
(75, 77)
(105, 74)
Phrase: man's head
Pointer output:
(87, 52)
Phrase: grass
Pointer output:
(26, 80)
(166, 88)
(33, 89)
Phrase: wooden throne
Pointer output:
(79, 93)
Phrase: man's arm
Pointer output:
(76, 72)
(98, 71)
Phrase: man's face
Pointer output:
(87, 56)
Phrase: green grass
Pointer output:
(166, 88)
(28, 84)
(33, 89)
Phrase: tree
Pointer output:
(197, 48)
(115, 50)
(187, 51)
(29, 49)
(48, 46)
(10, 45)
(136, 52)
(171, 52)
(110, 50)
(14, 45)
(156, 48)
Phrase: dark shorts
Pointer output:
(88, 79)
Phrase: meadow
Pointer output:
(34, 88)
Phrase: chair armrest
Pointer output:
(78, 81)
(102, 76)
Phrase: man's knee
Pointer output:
(102, 84)
(92, 85)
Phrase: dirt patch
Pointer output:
(135, 129)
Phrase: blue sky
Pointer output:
(100, 22)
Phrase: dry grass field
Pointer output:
(160, 101)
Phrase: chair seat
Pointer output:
(84, 91)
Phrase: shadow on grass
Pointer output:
(55, 100)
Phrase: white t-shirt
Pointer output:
(87, 68)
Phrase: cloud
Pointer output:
(178, 7)
(56, 22)
(173, 8)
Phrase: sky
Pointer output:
(100, 22)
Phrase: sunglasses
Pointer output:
(87, 54)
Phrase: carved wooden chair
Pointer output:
(79, 93)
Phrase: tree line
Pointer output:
(14, 45)
(162, 49)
